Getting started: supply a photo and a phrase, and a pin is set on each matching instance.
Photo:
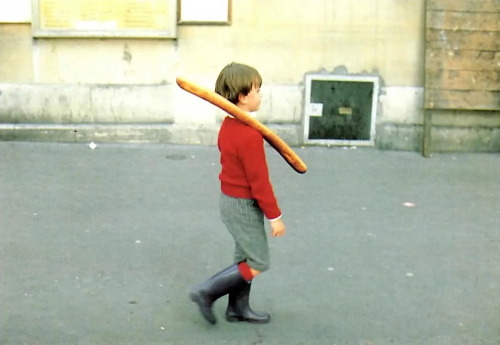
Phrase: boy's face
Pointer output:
(251, 102)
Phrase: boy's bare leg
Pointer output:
(255, 272)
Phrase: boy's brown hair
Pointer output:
(236, 79)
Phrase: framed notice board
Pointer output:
(110, 18)
(340, 110)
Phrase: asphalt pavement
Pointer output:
(101, 245)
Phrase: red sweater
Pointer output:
(244, 167)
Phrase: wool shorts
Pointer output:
(245, 222)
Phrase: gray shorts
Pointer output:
(245, 222)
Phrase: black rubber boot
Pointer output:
(206, 293)
(238, 308)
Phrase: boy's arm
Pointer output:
(253, 158)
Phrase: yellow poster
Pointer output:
(105, 18)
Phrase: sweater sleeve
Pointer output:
(254, 161)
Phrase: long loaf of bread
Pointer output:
(272, 138)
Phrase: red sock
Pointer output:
(245, 271)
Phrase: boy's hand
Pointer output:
(278, 228)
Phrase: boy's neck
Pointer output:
(242, 107)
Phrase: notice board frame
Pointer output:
(101, 29)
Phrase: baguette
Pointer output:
(272, 138)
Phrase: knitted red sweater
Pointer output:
(244, 167)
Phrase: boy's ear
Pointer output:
(242, 98)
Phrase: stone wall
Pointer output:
(123, 89)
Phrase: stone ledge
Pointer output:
(444, 138)
(146, 133)
(109, 133)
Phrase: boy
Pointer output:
(247, 196)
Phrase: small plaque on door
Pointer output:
(345, 111)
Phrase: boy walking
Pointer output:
(247, 197)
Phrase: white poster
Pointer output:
(15, 11)
(207, 11)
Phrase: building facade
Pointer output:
(113, 89)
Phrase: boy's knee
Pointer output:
(255, 272)
(260, 268)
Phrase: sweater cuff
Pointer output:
(275, 219)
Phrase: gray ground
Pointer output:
(101, 246)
